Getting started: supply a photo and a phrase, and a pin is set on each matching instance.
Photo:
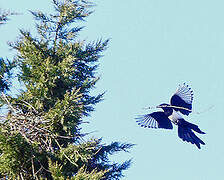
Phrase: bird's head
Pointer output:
(165, 107)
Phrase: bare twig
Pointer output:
(33, 169)
(177, 107)
(9, 104)
(30, 106)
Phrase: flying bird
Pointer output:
(180, 103)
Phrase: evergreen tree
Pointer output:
(4, 16)
(40, 137)
(5, 65)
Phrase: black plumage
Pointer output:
(181, 102)
(155, 120)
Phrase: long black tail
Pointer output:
(186, 134)
(184, 123)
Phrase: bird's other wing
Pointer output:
(155, 120)
(186, 134)
(183, 98)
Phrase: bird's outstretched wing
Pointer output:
(155, 120)
(182, 98)
(186, 132)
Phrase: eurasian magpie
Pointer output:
(180, 103)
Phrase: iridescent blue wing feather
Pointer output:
(155, 120)
(183, 98)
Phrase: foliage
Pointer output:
(4, 16)
(41, 138)
(5, 67)
(5, 64)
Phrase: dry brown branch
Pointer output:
(35, 129)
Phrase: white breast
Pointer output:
(175, 116)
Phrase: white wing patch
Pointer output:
(175, 116)
(185, 93)
(147, 121)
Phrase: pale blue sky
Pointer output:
(155, 45)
